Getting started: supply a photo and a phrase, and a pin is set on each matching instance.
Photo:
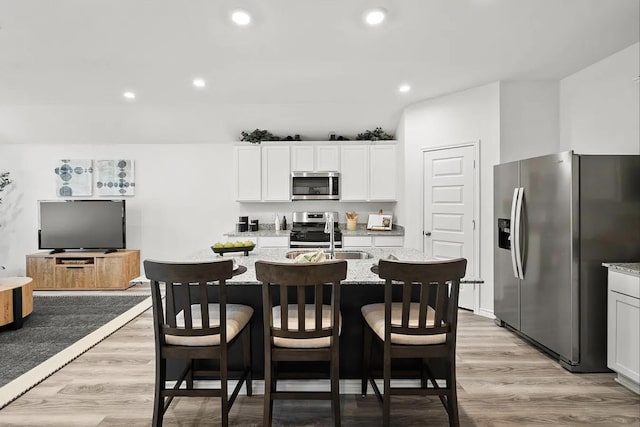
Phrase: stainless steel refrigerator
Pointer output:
(556, 219)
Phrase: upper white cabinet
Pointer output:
(354, 173)
(327, 158)
(248, 169)
(302, 158)
(382, 172)
(369, 172)
(262, 173)
(315, 158)
(275, 174)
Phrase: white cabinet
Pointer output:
(262, 241)
(354, 160)
(623, 324)
(356, 241)
(315, 158)
(369, 172)
(372, 241)
(388, 241)
(248, 175)
(327, 158)
(275, 174)
(302, 158)
(273, 241)
(262, 173)
(382, 172)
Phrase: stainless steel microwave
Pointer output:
(315, 186)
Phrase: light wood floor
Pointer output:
(502, 381)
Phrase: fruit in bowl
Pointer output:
(237, 246)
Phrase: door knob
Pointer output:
(427, 233)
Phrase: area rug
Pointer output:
(59, 330)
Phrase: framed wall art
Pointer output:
(74, 178)
(115, 178)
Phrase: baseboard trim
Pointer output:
(486, 313)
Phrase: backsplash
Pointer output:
(265, 212)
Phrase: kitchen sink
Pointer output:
(338, 254)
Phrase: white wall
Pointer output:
(470, 115)
(599, 106)
(184, 201)
(529, 119)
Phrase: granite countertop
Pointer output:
(361, 230)
(262, 232)
(624, 267)
(358, 270)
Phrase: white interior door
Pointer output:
(449, 213)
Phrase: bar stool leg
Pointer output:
(366, 359)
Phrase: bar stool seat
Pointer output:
(310, 325)
(374, 316)
(237, 318)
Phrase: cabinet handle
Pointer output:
(427, 233)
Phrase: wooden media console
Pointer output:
(83, 270)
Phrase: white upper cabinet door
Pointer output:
(383, 173)
(327, 158)
(276, 174)
(248, 173)
(302, 158)
(354, 162)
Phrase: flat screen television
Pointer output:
(82, 224)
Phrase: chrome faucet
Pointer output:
(328, 228)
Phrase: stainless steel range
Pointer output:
(307, 230)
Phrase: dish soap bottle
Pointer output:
(277, 223)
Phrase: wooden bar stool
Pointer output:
(424, 329)
(301, 332)
(204, 331)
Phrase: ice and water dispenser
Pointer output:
(504, 233)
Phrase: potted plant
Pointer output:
(257, 136)
(374, 135)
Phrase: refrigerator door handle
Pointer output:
(514, 242)
(518, 224)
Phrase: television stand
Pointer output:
(57, 251)
(83, 270)
(110, 251)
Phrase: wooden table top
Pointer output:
(7, 283)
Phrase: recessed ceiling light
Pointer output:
(241, 17)
(375, 17)
(404, 88)
(199, 83)
(129, 95)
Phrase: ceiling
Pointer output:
(298, 58)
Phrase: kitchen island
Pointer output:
(361, 287)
